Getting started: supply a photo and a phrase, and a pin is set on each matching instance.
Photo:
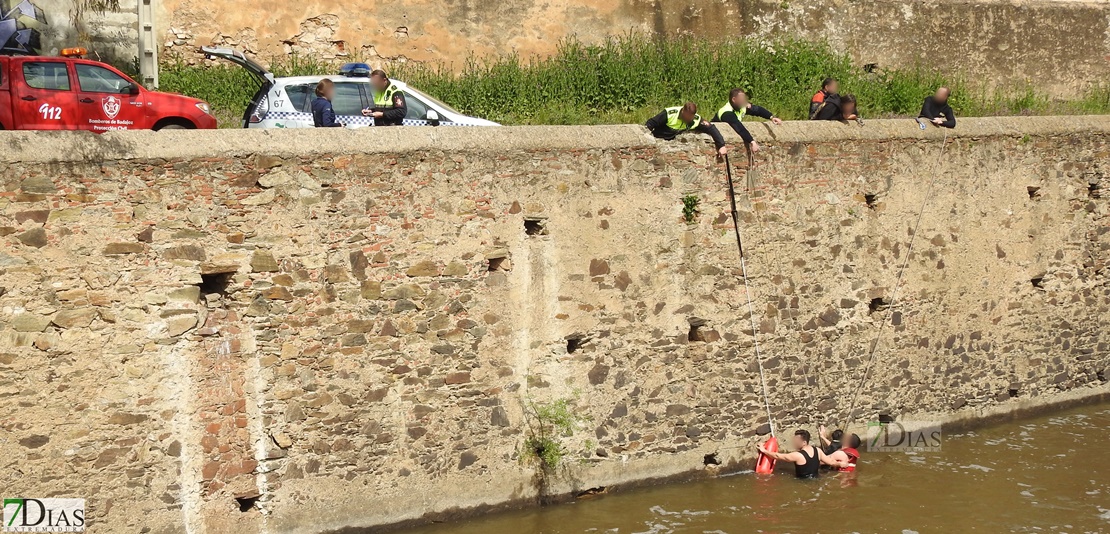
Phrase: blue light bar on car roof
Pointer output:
(355, 70)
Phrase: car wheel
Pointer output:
(172, 127)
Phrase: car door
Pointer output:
(348, 102)
(43, 95)
(108, 101)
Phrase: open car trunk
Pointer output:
(264, 77)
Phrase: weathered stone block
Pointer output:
(35, 237)
(179, 325)
(185, 252)
(75, 318)
(118, 249)
(262, 261)
(38, 184)
(599, 267)
(30, 322)
(423, 268)
(404, 291)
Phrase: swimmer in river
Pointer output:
(848, 456)
(829, 445)
(807, 459)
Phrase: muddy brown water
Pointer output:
(1045, 474)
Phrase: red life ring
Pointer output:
(765, 465)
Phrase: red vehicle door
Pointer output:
(108, 100)
(43, 96)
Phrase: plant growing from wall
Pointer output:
(690, 207)
(550, 424)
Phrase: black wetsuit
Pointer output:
(812, 465)
(931, 109)
(832, 447)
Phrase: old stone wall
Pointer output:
(1061, 47)
(47, 26)
(303, 331)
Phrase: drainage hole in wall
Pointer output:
(1038, 282)
(878, 304)
(246, 503)
(574, 343)
(535, 227)
(215, 283)
(870, 199)
(498, 264)
(711, 459)
(1034, 192)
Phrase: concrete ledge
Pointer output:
(61, 147)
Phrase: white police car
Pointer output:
(287, 102)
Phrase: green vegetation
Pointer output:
(548, 423)
(627, 79)
(690, 207)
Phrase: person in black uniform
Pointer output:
(389, 101)
(936, 110)
(837, 108)
(734, 111)
(807, 459)
(323, 115)
(671, 122)
(830, 445)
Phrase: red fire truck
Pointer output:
(72, 93)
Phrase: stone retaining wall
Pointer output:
(1060, 47)
(332, 329)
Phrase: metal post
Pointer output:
(148, 45)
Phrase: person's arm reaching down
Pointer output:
(712, 131)
(732, 120)
(653, 124)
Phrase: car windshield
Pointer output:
(424, 96)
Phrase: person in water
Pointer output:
(847, 457)
(807, 459)
(829, 445)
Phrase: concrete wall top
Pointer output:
(84, 146)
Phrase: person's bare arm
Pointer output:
(836, 459)
(823, 433)
(784, 456)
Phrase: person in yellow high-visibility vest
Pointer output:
(734, 111)
(389, 102)
(671, 122)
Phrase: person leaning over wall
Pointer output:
(671, 122)
(838, 108)
(936, 110)
(733, 113)
(828, 96)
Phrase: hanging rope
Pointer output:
(897, 285)
(774, 251)
(748, 293)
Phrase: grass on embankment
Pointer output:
(628, 79)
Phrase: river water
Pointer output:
(1046, 474)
